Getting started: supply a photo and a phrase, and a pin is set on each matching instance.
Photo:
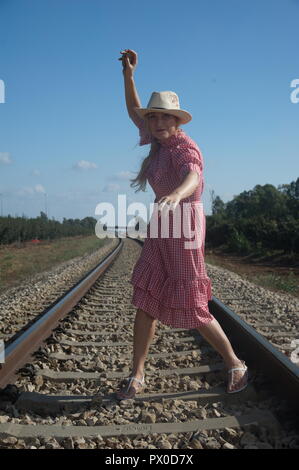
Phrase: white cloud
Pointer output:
(111, 187)
(5, 158)
(25, 191)
(39, 188)
(84, 165)
(35, 173)
(124, 175)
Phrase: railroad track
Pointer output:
(21, 305)
(66, 367)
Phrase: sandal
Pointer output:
(124, 393)
(245, 377)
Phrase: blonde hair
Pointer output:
(140, 180)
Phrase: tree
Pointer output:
(43, 216)
(264, 218)
(218, 206)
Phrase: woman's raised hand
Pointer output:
(129, 60)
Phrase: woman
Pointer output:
(169, 279)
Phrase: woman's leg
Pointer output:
(144, 331)
(215, 335)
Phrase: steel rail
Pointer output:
(257, 351)
(19, 351)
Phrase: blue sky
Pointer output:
(231, 63)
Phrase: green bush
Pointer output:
(238, 243)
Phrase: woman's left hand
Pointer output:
(170, 202)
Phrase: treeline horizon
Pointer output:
(21, 229)
(262, 220)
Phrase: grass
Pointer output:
(20, 263)
(270, 275)
(286, 283)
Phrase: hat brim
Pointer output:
(184, 116)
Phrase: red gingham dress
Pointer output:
(170, 282)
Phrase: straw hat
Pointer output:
(165, 102)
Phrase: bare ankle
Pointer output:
(233, 362)
(138, 373)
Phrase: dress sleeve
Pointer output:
(185, 160)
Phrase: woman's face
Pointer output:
(161, 125)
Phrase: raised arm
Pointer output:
(129, 60)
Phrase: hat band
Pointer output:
(159, 107)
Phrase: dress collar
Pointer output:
(174, 139)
